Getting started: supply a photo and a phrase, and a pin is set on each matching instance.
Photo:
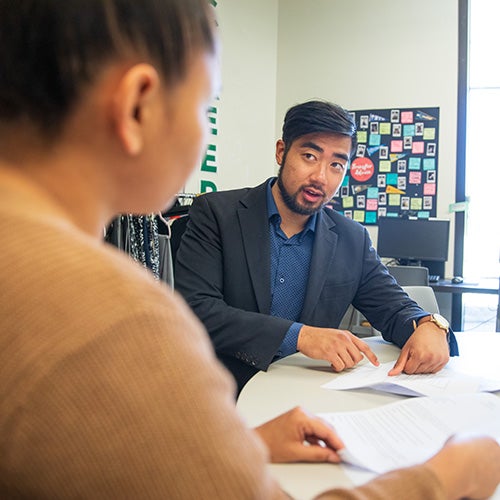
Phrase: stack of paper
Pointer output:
(408, 432)
(445, 382)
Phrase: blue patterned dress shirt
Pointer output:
(290, 261)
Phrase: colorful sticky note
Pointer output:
(362, 136)
(429, 133)
(406, 116)
(392, 179)
(394, 200)
(384, 166)
(372, 204)
(372, 192)
(415, 178)
(348, 201)
(429, 164)
(370, 217)
(423, 215)
(375, 139)
(414, 163)
(359, 216)
(429, 189)
(417, 147)
(396, 146)
(408, 130)
(416, 204)
(384, 128)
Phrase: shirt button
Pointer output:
(282, 280)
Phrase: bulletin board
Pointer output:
(394, 170)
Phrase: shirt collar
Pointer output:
(272, 209)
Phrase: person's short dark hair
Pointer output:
(51, 49)
(318, 116)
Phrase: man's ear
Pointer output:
(132, 101)
(280, 149)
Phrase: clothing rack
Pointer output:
(187, 196)
(181, 205)
(149, 239)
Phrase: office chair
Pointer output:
(424, 296)
(356, 323)
(410, 275)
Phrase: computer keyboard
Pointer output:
(433, 278)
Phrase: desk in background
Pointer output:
(296, 380)
(445, 286)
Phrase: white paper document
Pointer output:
(409, 432)
(445, 382)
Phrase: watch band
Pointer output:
(439, 321)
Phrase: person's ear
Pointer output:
(132, 105)
(280, 149)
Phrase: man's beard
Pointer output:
(291, 202)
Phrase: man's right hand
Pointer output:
(340, 348)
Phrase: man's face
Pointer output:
(312, 170)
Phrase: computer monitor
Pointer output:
(412, 240)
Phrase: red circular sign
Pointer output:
(362, 169)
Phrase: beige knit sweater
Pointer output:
(108, 384)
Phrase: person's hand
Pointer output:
(468, 467)
(426, 351)
(340, 348)
(296, 436)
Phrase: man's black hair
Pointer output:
(317, 116)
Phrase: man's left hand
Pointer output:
(426, 351)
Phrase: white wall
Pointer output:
(359, 53)
(366, 54)
(247, 106)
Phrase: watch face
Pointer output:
(441, 321)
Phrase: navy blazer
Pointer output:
(223, 271)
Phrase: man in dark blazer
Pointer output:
(271, 270)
